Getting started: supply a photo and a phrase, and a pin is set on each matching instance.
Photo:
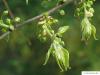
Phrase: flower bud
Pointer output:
(8, 21)
(5, 12)
(89, 14)
(17, 19)
(11, 28)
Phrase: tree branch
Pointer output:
(37, 17)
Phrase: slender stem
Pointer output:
(37, 17)
(4, 35)
(49, 12)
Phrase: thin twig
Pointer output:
(37, 17)
(4, 35)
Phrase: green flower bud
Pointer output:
(8, 21)
(11, 28)
(5, 12)
(91, 10)
(62, 12)
(42, 22)
(17, 19)
(89, 14)
(55, 21)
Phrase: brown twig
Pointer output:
(37, 17)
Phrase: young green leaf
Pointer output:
(48, 54)
(62, 30)
(61, 55)
(86, 29)
(62, 12)
(94, 32)
(5, 12)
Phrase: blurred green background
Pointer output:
(24, 54)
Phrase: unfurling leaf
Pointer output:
(48, 55)
(94, 32)
(61, 55)
(62, 30)
(87, 29)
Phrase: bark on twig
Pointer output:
(37, 17)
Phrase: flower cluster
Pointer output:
(56, 49)
(6, 24)
(45, 29)
(86, 11)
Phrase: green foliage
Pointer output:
(82, 5)
(86, 11)
(87, 29)
(62, 12)
(6, 24)
(56, 49)
(60, 54)
(62, 30)
(46, 32)
(45, 29)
